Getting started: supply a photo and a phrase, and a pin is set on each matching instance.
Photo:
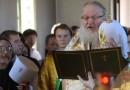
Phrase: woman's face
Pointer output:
(63, 38)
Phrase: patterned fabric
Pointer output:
(47, 75)
(115, 31)
(68, 84)
(119, 83)
(76, 44)
(125, 86)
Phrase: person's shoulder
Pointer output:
(35, 54)
(49, 58)
(73, 41)
(35, 51)
(48, 62)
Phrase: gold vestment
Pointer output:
(75, 44)
(119, 83)
(47, 75)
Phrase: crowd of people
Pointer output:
(85, 37)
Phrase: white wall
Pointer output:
(8, 15)
(125, 12)
(45, 18)
(68, 11)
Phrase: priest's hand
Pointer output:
(24, 85)
(90, 83)
(111, 43)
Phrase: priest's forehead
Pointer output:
(93, 4)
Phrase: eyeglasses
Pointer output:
(93, 18)
(8, 49)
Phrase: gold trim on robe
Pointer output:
(119, 83)
(124, 86)
(75, 44)
(47, 75)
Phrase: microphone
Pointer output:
(89, 45)
(90, 39)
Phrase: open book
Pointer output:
(69, 64)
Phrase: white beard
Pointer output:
(88, 36)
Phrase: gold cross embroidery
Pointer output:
(104, 57)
